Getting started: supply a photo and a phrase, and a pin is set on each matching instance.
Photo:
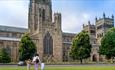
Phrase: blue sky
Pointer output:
(75, 13)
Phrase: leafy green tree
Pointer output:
(107, 47)
(4, 56)
(81, 47)
(27, 48)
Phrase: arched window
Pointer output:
(43, 15)
(8, 50)
(40, 12)
(48, 44)
(36, 25)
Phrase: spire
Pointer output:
(41, 1)
(103, 15)
(95, 18)
(112, 16)
(32, 1)
(83, 25)
(88, 22)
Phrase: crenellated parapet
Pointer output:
(88, 25)
(105, 18)
(102, 26)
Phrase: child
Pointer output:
(28, 62)
(42, 66)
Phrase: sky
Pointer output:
(75, 13)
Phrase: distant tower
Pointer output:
(46, 34)
(102, 25)
(90, 28)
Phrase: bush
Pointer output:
(4, 56)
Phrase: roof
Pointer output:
(67, 42)
(12, 29)
(68, 34)
(9, 39)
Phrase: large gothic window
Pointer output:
(48, 44)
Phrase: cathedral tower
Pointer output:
(40, 11)
(102, 25)
(46, 34)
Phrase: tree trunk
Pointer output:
(112, 59)
(81, 61)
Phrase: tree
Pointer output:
(27, 48)
(81, 47)
(107, 47)
(4, 56)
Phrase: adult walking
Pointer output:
(28, 62)
(36, 61)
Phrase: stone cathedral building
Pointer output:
(52, 43)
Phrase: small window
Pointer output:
(14, 44)
(44, 0)
(40, 14)
(1, 44)
(43, 15)
(14, 34)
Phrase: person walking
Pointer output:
(36, 61)
(28, 62)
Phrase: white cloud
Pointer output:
(71, 23)
(14, 13)
(85, 17)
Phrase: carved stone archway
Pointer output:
(94, 57)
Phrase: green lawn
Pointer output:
(63, 68)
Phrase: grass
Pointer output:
(62, 68)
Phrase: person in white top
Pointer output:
(36, 61)
(42, 66)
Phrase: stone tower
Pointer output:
(102, 25)
(90, 28)
(46, 34)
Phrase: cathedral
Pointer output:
(53, 45)
(48, 35)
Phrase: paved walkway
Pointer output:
(66, 65)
